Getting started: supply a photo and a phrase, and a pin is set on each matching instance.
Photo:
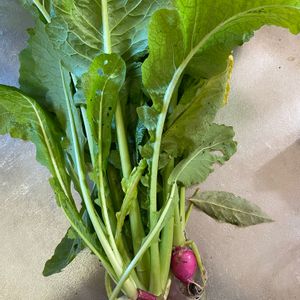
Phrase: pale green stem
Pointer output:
(42, 10)
(105, 24)
(128, 286)
(188, 212)
(202, 269)
(107, 49)
(166, 243)
(136, 224)
(179, 237)
(155, 280)
(107, 281)
(101, 191)
(122, 142)
(147, 242)
(88, 133)
(182, 207)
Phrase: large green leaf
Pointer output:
(43, 77)
(22, 117)
(199, 28)
(224, 24)
(87, 28)
(199, 164)
(226, 207)
(195, 112)
(101, 86)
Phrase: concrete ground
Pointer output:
(257, 263)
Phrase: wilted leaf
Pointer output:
(226, 207)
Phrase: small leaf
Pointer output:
(148, 116)
(199, 164)
(130, 187)
(65, 252)
(226, 207)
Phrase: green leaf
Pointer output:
(195, 113)
(44, 78)
(101, 86)
(196, 167)
(166, 53)
(79, 225)
(78, 28)
(148, 117)
(45, 7)
(226, 207)
(64, 253)
(220, 26)
(70, 246)
(22, 117)
(130, 187)
(210, 29)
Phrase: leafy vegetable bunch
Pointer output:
(119, 98)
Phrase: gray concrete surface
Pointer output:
(257, 263)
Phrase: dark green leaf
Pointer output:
(79, 225)
(226, 207)
(64, 253)
(148, 116)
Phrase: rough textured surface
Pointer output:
(257, 263)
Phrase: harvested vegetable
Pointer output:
(120, 98)
(184, 264)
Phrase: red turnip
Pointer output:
(143, 295)
(183, 264)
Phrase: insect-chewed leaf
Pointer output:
(199, 164)
(101, 85)
(226, 207)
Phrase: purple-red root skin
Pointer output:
(143, 295)
(183, 264)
